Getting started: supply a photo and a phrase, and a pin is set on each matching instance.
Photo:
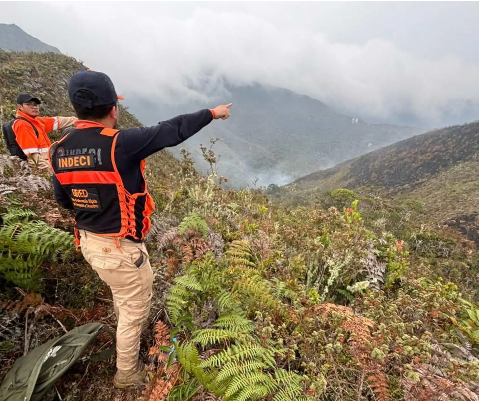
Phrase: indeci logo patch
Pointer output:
(86, 199)
(81, 161)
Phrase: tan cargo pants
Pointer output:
(127, 271)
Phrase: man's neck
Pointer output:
(106, 122)
(24, 114)
(94, 123)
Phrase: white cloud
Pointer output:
(157, 51)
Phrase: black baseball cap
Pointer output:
(22, 98)
(91, 89)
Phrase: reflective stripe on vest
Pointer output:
(101, 202)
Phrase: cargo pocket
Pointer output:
(105, 262)
(140, 259)
(107, 269)
(145, 273)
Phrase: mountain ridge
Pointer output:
(457, 134)
(264, 139)
(438, 169)
(15, 39)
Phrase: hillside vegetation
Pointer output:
(46, 76)
(437, 170)
(252, 300)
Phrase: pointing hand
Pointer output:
(221, 111)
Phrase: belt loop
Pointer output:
(117, 243)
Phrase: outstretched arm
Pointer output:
(65, 121)
(52, 123)
(139, 143)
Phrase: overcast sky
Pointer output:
(382, 60)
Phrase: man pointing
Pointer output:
(99, 174)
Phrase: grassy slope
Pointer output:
(46, 76)
(439, 169)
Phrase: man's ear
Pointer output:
(114, 112)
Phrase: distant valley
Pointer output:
(276, 135)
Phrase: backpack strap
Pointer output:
(29, 122)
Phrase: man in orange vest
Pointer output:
(31, 130)
(99, 173)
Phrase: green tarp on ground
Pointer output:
(33, 374)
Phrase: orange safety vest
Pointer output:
(84, 164)
(26, 137)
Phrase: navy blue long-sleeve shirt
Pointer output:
(136, 144)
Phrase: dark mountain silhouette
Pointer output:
(13, 38)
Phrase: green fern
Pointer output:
(240, 256)
(187, 355)
(237, 366)
(189, 282)
(193, 222)
(289, 385)
(211, 336)
(16, 214)
(234, 323)
(240, 352)
(236, 369)
(255, 386)
(177, 301)
(253, 391)
(257, 290)
(25, 245)
(227, 303)
(200, 279)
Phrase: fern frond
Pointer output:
(187, 355)
(253, 392)
(240, 255)
(233, 369)
(238, 352)
(226, 302)
(25, 245)
(290, 385)
(258, 289)
(210, 336)
(193, 222)
(188, 282)
(234, 323)
(243, 382)
(15, 215)
(176, 302)
(241, 262)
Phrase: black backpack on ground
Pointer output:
(9, 138)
